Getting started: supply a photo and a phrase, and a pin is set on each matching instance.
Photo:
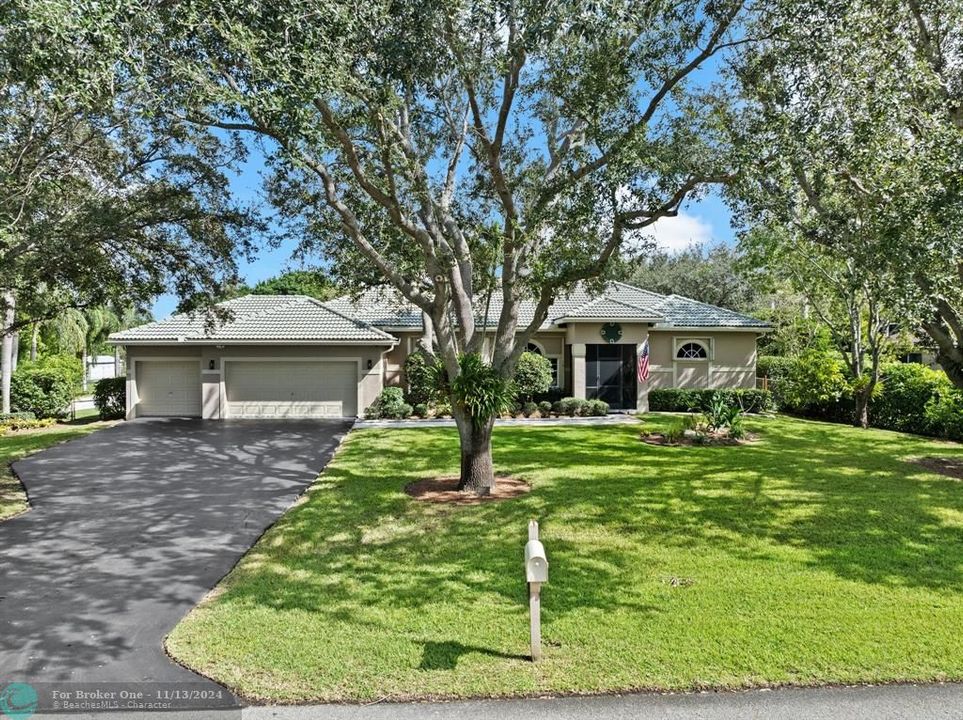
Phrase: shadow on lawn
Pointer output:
(445, 655)
(839, 494)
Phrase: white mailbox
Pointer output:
(536, 564)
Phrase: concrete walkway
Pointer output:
(611, 419)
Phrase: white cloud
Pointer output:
(674, 234)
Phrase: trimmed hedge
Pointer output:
(533, 376)
(748, 400)
(390, 404)
(6, 417)
(44, 391)
(110, 397)
(912, 398)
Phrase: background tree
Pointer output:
(313, 283)
(455, 148)
(856, 109)
(845, 286)
(707, 273)
(795, 328)
(102, 200)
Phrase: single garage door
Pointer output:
(168, 388)
(291, 388)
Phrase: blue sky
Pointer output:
(703, 221)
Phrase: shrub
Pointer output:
(544, 408)
(390, 404)
(567, 406)
(44, 391)
(944, 414)
(110, 397)
(7, 417)
(421, 410)
(425, 376)
(22, 423)
(812, 384)
(737, 428)
(597, 408)
(533, 375)
(529, 409)
(69, 365)
(442, 408)
(571, 406)
(748, 400)
(906, 393)
(675, 433)
(720, 413)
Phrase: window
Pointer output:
(692, 351)
(553, 361)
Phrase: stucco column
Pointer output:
(131, 389)
(578, 370)
(642, 388)
(211, 394)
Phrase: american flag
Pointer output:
(644, 362)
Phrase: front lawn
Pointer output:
(13, 500)
(816, 555)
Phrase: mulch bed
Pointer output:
(660, 439)
(951, 467)
(445, 490)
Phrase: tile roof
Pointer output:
(261, 318)
(298, 318)
(684, 312)
(606, 307)
(385, 308)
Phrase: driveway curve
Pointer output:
(129, 528)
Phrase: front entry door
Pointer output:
(610, 375)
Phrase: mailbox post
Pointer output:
(536, 573)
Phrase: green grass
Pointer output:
(815, 555)
(13, 499)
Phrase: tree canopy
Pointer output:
(710, 274)
(852, 142)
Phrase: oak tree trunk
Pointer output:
(952, 367)
(34, 340)
(477, 472)
(6, 350)
(862, 409)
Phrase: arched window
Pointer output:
(692, 351)
(533, 348)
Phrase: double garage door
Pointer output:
(252, 389)
(290, 388)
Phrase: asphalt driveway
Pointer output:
(129, 528)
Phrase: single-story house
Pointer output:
(294, 356)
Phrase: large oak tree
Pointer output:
(451, 148)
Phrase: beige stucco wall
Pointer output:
(552, 344)
(731, 362)
(370, 379)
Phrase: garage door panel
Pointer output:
(291, 388)
(168, 388)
